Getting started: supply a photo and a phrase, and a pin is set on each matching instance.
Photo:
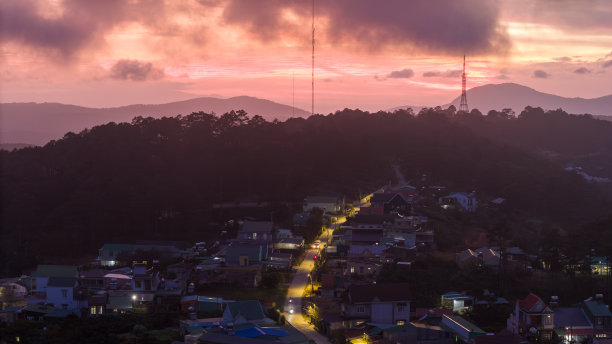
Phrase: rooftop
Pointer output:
(55, 271)
(597, 308)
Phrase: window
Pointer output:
(64, 306)
(401, 307)
(64, 293)
(92, 310)
(352, 269)
(100, 309)
(400, 322)
(138, 284)
(548, 319)
(360, 309)
(111, 254)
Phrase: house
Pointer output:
(462, 330)
(392, 203)
(333, 285)
(201, 304)
(245, 311)
(116, 281)
(385, 303)
(532, 312)
(363, 267)
(330, 204)
(12, 294)
(108, 253)
(572, 324)
(144, 279)
(467, 259)
(457, 302)
(245, 254)
(600, 266)
(119, 303)
(256, 230)
(97, 303)
(502, 337)
(415, 333)
(367, 251)
(289, 244)
(283, 233)
(93, 279)
(599, 314)
(459, 200)
(55, 285)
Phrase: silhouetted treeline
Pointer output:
(158, 178)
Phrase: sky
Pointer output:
(370, 54)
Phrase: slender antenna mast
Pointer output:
(313, 52)
(463, 107)
(293, 105)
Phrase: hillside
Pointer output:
(158, 178)
(517, 97)
(38, 123)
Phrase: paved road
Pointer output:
(296, 290)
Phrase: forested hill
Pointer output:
(119, 181)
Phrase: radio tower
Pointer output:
(313, 51)
(463, 107)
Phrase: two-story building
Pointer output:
(256, 230)
(385, 303)
(56, 285)
(532, 317)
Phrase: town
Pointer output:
(368, 270)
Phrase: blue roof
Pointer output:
(255, 332)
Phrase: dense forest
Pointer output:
(158, 178)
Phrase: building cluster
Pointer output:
(383, 229)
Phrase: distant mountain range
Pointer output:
(38, 123)
(517, 97)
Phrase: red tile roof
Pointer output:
(529, 302)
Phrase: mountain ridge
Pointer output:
(38, 123)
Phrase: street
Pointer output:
(296, 290)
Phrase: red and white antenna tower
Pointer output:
(313, 53)
(463, 107)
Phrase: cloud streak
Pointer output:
(401, 74)
(455, 73)
(582, 70)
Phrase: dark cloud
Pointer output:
(449, 27)
(455, 73)
(401, 74)
(607, 64)
(502, 77)
(582, 70)
(79, 25)
(540, 74)
(135, 70)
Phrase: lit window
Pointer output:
(400, 322)
(92, 310)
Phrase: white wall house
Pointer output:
(459, 200)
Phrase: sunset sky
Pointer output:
(370, 54)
